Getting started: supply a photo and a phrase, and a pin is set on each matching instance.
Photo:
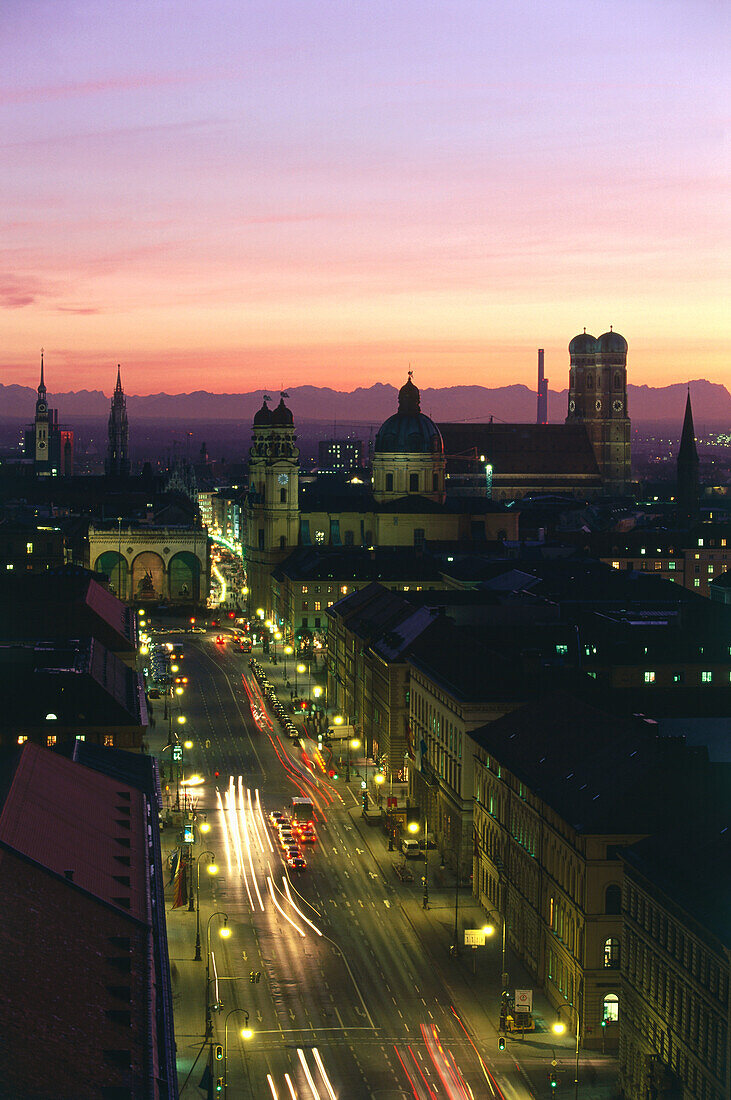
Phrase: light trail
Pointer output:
(323, 1074)
(275, 1095)
(224, 830)
(308, 1075)
(297, 910)
(247, 840)
(409, 1078)
(270, 884)
(253, 820)
(290, 1086)
(432, 1094)
(263, 822)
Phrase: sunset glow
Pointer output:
(228, 196)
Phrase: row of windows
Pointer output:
(52, 740)
(706, 677)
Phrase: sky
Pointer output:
(233, 194)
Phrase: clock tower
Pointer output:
(272, 505)
(598, 400)
(42, 433)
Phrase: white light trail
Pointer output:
(270, 884)
(263, 823)
(233, 821)
(323, 1074)
(252, 819)
(224, 830)
(290, 1086)
(247, 840)
(296, 908)
(308, 1075)
(275, 1095)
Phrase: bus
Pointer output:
(302, 810)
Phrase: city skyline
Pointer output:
(325, 194)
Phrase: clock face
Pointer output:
(598, 405)
(41, 407)
(283, 479)
(617, 406)
(572, 405)
(41, 445)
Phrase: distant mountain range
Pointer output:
(711, 404)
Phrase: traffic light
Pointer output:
(553, 1079)
(219, 1084)
(501, 1043)
(365, 800)
(252, 976)
(218, 1052)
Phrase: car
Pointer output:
(292, 851)
(410, 848)
(307, 836)
(286, 836)
(276, 816)
(297, 863)
(219, 639)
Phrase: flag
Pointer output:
(173, 865)
(180, 885)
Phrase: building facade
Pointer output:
(147, 563)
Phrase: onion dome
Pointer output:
(281, 416)
(263, 418)
(409, 431)
(583, 344)
(611, 343)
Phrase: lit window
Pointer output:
(81, 737)
(51, 740)
(700, 542)
(706, 677)
(677, 677)
(710, 568)
(697, 557)
(304, 589)
(649, 677)
(29, 547)
(109, 740)
(9, 567)
(610, 1006)
(22, 739)
(344, 589)
(643, 551)
(562, 650)
(658, 565)
(697, 583)
(317, 606)
(615, 565)
(671, 566)
(611, 954)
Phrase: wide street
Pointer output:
(354, 992)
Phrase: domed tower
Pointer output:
(598, 400)
(409, 452)
(272, 508)
(117, 463)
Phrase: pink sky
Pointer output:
(229, 195)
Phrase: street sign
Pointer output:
(188, 837)
(474, 937)
(177, 752)
(524, 1000)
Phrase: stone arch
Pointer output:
(184, 576)
(115, 566)
(148, 576)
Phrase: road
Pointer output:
(357, 996)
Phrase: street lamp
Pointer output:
(489, 930)
(414, 828)
(212, 869)
(245, 1032)
(224, 933)
(353, 743)
(559, 1028)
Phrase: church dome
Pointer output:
(409, 431)
(583, 344)
(263, 418)
(282, 416)
(611, 343)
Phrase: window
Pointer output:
(615, 565)
(611, 954)
(613, 899)
(317, 623)
(344, 589)
(700, 543)
(658, 565)
(706, 677)
(419, 536)
(389, 483)
(261, 538)
(51, 740)
(319, 537)
(305, 605)
(317, 606)
(22, 739)
(610, 1008)
(696, 583)
(671, 566)
(304, 623)
(282, 496)
(304, 589)
(649, 677)
(109, 740)
(29, 547)
(413, 483)
(677, 677)
(562, 650)
(282, 542)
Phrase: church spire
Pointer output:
(688, 494)
(118, 387)
(42, 384)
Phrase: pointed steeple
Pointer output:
(118, 387)
(687, 439)
(688, 494)
(42, 384)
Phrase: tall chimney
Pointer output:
(542, 392)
